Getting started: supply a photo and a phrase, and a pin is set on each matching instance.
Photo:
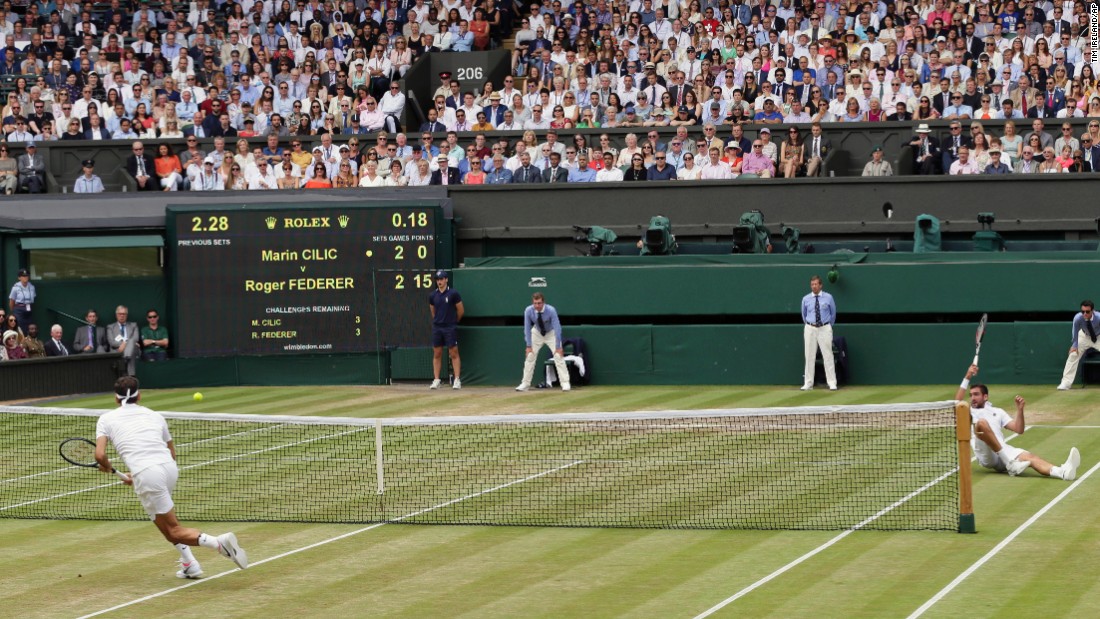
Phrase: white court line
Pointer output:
(808, 555)
(1001, 546)
(765, 580)
(335, 539)
(205, 440)
(184, 468)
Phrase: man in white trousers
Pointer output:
(541, 327)
(819, 315)
(1086, 328)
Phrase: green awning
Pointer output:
(91, 242)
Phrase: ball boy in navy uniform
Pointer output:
(447, 310)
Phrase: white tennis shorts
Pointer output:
(154, 487)
(989, 459)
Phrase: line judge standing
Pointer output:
(818, 314)
(1086, 328)
(541, 327)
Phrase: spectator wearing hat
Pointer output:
(494, 112)
(206, 177)
(445, 174)
(769, 114)
(88, 182)
(996, 166)
(877, 166)
(630, 117)
(926, 151)
(684, 117)
(32, 170)
(22, 298)
(770, 149)
(444, 89)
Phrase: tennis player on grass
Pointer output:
(989, 443)
(141, 438)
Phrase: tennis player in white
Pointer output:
(988, 441)
(141, 438)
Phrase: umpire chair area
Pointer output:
(571, 347)
(1090, 368)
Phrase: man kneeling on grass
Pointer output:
(988, 442)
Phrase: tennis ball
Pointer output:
(198, 396)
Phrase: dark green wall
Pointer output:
(763, 284)
(76, 297)
(879, 354)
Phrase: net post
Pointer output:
(966, 490)
(378, 455)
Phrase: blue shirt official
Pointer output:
(1079, 322)
(828, 309)
(549, 320)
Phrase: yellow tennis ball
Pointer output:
(198, 397)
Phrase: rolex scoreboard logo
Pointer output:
(291, 223)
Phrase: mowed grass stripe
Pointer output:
(868, 572)
(917, 569)
(1058, 550)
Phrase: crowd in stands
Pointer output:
(716, 70)
(21, 338)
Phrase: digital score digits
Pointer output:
(303, 280)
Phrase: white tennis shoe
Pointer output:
(435, 384)
(228, 546)
(1069, 469)
(523, 387)
(190, 571)
(1017, 466)
(566, 388)
(457, 384)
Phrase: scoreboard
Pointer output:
(335, 278)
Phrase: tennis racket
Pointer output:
(81, 452)
(978, 337)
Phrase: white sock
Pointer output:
(208, 541)
(185, 553)
(1056, 471)
(1003, 455)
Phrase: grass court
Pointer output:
(1036, 552)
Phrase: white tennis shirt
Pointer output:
(139, 435)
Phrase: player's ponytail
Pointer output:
(126, 390)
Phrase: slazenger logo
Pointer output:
(537, 282)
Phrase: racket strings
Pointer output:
(79, 452)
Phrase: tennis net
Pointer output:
(877, 467)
